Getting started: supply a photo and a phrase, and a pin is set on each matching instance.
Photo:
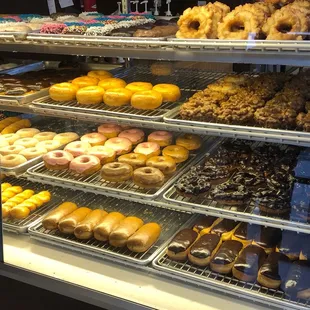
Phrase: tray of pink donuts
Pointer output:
(146, 158)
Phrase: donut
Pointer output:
(84, 81)
(11, 149)
(49, 145)
(27, 132)
(112, 83)
(33, 152)
(161, 137)
(165, 164)
(66, 137)
(77, 148)
(63, 92)
(146, 100)
(189, 141)
(90, 95)
(3, 143)
(57, 160)
(26, 142)
(100, 74)
(110, 130)
(116, 172)
(10, 137)
(169, 92)
(116, 97)
(133, 159)
(161, 68)
(177, 152)
(85, 164)
(105, 154)
(45, 135)
(148, 177)
(149, 149)
(12, 160)
(119, 145)
(139, 86)
(134, 135)
(94, 138)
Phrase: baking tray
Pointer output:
(94, 183)
(171, 221)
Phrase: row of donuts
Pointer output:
(13, 124)
(101, 86)
(250, 252)
(114, 227)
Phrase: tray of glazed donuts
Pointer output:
(265, 263)
(118, 161)
(108, 227)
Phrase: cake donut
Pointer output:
(119, 145)
(77, 148)
(85, 164)
(11, 149)
(161, 137)
(49, 145)
(149, 149)
(57, 160)
(94, 138)
(109, 130)
(134, 135)
(178, 153)
(116, 172)
(66, 137)
(33, 152)
(189, 141)
(27, 132)
(165, 164)
(45, 135)
(148, 177)
(133, 159)
(26, 142)
(12, 160)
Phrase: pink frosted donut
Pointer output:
(149, 149)
(85, 164)
(134, 135)
(57, 160)
(94, 138)
(119, 145)
(161, 137)
(77, 148)
(105, 154)
(109, 130)
(11, 149)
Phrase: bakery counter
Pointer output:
(102, 283)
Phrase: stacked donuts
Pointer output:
(101, 86)
(122, 155)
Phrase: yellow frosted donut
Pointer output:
(112, 83)
(90, 95)
(100, 74)
(63, 91)
(170, 92)
(84, 81)
(117, 97)
(146, 100)
(139, 86)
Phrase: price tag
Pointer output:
(65, 3)
(51, 6)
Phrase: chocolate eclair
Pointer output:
(225, 228)
(248, 263)
(204, 224)
(267, 238)
(274, 270)
(290, 244)
(245, 233)
(181, 243)
(226, 256)
(202, 251)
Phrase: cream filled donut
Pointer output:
(66, 137)
(26, 142)
(11, 149)
(119, 145)
(149, 149)
(27, 132)
(33, 152)
(85, 164)
(78, 148)
(57, 160)
(49, 145)
(110, 130)
(12, 160)
(10, 137)
(105, 154)
(45, 135)
(134, 135)
(161, 137)
(94, 138)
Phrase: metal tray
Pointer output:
(171, 221)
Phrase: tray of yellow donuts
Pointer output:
(100, 92)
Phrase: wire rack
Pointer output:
(171, 221)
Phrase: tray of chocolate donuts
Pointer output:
(268, 264)
(110, 228)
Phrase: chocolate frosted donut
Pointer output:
(250, 180)
(16, 91)
(280, 180)
(193, 185)
(216, 175)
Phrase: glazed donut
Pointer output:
(148, 177)
(66, 137)
(85, 164)
(134, 135)
(94, 138)
(109, 130)
(133, 159)
(12, 160)
(146, 100)
(84, 81)
(77, 148)
(165, 164)
(189, 141)
(3, 143)
(10, 137)
(112, 83)
(170, 92)
(26, 142)
(63, 92)
(105, 154)
(161, 68)
(27, 132)
(139, 86)
(11, 149)
(178, 153)
(33, 152)
(49, 145)
(119, 145)
(45, 135)
(161, 137)
(149, 149)
(57, 160)
(90, 95)
(100, 74)
(116, 172)
(116, 97)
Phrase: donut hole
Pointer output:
(284, 28)
(148, 170)
(194, 25)
(237, 27)
(84, 160)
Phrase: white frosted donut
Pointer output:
(11, 149)
(45, 135)
(66, 137)
(27, 132)
(50, 145)
(27, 142)
(10, 137)
(12, 160)
(33, 152)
